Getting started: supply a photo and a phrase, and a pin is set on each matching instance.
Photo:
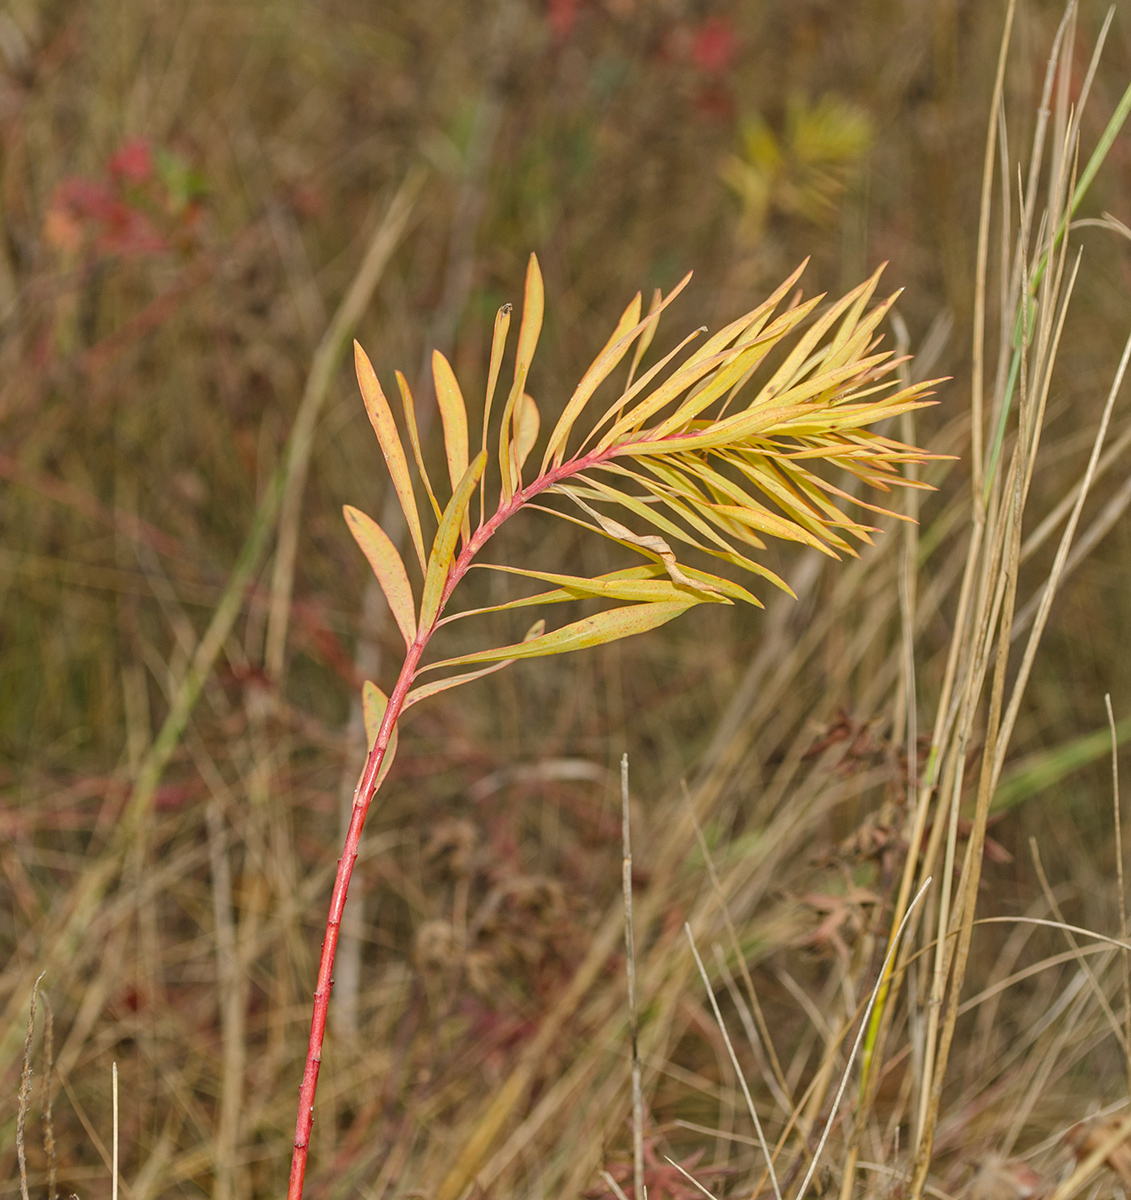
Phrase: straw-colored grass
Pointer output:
(173, 771)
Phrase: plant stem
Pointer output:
(363, 797)
(367, 788)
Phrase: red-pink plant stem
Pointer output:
(363, 797)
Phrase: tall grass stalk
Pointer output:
(1037, 283)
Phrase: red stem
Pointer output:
(363, 797)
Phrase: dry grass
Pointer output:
(480, 1029)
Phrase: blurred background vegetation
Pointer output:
(187, 191)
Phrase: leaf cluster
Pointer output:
(690, 453)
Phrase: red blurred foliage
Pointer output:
(714, 45)
(133, 162)
(129, 212)
(88, 211)
(560, 15)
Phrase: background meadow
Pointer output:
(199, 205)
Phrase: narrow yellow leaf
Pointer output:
(651, 543)
(453, 415)
(641, 590)
(706, 359)
(558, 596)
(453, 681)
(443, 548)
(627, 329)
(747, 356)
(533, 305)
(528, 333)
(795, 362)
(754, 333)
(651, 324)
(527, 422)
(729, 431)
(387, 566)
(767, 522)
(374, 703)
(498, 346)
(381, 418)
(409, 406)
(596, 630)
(615, 349)
(614, 411)
(839, 348)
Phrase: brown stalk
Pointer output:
(334, 341)
(1118, 822)
(630, 968)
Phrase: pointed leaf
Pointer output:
(793, 366)
(614, 411)
(387, 566)
(839, 350)
(627, 328)
(596, 630)
(409, 406)
(453, 415)
(729, 431)
(381, 418)
(651, 324)
(558, 596)
(644, 590)
(527, 422)
(528, 333)
(650, 543)
(443, 548)
(374, 703)
(695, 368)
(453, 681)
(533, 304)
(498, 346)
(714, 352)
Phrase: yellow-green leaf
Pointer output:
(528, 333)
(453, 681)
(381, 418)
(409, 406)
(527, 422)
(443, 548)
(627, 329)
(533, 304)
(374, 703)
(641, 590)
(729, 431)
(707, 359)
(453, 415)
(387, 566)
(498, 346)
(651, 324)
(603, 627)
(558, 596)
